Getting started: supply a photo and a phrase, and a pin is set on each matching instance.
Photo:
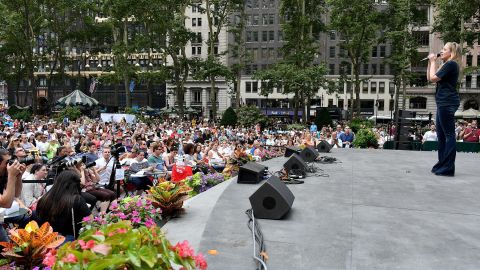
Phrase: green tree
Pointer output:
(21, 24)
(249, 116)
(218, 14)
(229, 117)
(359, 23)
(303, 24)
(401, 17)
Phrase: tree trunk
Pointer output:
(128, 100)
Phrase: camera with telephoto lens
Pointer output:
(73, 162)
(91, 164)
(26, 160)
(117, 149)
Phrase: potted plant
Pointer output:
(121, 246)
(169, 197)
(138, 210)
(29, 246)
(201, 182)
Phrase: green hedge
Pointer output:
(365, 138)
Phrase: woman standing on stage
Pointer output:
(447, 100)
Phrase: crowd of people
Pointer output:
(82, 159)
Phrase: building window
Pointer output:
(248, 87)
(194, 8)
(422, 38)
(332, 52)
(280, 35)
(215, 50)
(381, 88)
(332, 35)
(478, 81)
(331, 68)
(391, 88)
(340, 103)
(264, 54)
(418, 103)
(373, 87)
(374, 51)
(249, 37)
(469, 60)
(255, 36)
(256, 3)
(365, 69)
(255, 20)
(271, 53)
(365, 87)
(196, 50)
(468, 81)
(382, 51)
(265, 19)
(271, 35)
(196, 96)
(264, 36)
(254, 87)
(374, 69)
(271, 19)
(382, 69)
(381, 105)
(194, 22)
(330, 102)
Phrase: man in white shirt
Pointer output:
(430, 135)
(41, 142)
(105, 166)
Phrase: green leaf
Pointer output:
(134, 258)
(148, 256)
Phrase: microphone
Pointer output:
(426, 58)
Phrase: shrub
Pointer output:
(357, 124)
(249, 116)
(323, 119)
(73, 113)
(169, 197)
(365, 138)
(24, 115)
(229, 117)
(296, 127)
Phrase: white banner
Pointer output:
(117, 117)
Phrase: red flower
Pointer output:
(70, 258)
(200, 261)
(183, 249)
(88, 245)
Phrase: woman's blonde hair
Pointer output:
(456, 52)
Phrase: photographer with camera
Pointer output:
(10, 183)
(105, 166)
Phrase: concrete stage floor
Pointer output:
(378, 209)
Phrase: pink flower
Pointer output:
(149, 223)
(136, 220)
(50, 259)
(183, 249)
(113, 205)
(70, 258)
(200, 261)
(135, 213)
(122, 216)
(88, 245)
(123, 230)
(153, 211)
(102, 249)
(98, 233)
(139, 203)
(86, 219)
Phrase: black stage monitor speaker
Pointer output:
(309, 154)
(295, 162)
(272, 200)
(292, 150)
(323, 146)
(251, 173)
